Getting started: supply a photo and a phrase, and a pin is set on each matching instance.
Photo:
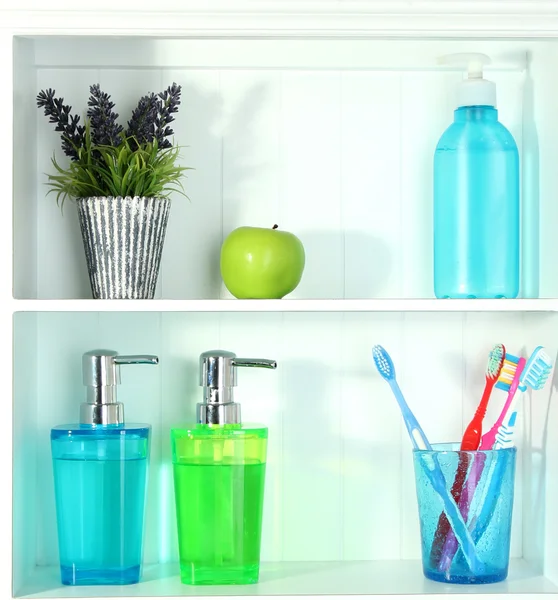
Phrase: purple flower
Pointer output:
(142, 124)
(66, 124)
(169, 101)
(104, 128)
(149, 122)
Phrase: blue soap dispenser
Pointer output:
(100, 477)
(476, 195)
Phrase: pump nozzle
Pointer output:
(474, 90)
(474, 61)
(101, 375)
(218, 378)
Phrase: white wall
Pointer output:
(340, 484)
(331, 139)
(541, 459)
(24, 465)
(25, 243)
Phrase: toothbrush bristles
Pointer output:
(496, 360)
(507, 373)
(506, 376)
(383, 364)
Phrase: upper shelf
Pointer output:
(286, 305)
(332, 140)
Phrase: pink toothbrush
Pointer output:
(487, 441)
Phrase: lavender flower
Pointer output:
(104, 128)
(169, 101)
(149, 122)
(67, 124)
(141, 127)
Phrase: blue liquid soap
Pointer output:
(100, 477)
(476, 198)
(100, 480)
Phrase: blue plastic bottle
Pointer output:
(100, 478)
(476, 196)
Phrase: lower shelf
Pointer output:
(377, 578)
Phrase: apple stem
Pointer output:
(275, 227)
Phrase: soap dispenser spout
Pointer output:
(137, 359)
(262, 363)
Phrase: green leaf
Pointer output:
(128, 169)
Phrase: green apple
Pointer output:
(261, 263)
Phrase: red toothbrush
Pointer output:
(471, 441)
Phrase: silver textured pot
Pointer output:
(123, 240)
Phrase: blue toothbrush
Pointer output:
(385, 367)
(534, 375)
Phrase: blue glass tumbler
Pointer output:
(486, 504)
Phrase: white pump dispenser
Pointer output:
(475, 90)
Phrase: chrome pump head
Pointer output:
(101, 375)
(218, 377)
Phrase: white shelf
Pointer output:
(381, 579)
(285, 305)
(252, 127)
(336, 437)
(430, 18)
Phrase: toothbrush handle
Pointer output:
(472, 436)
(451, 545)
(504, 437)
(498, 437)
(489, 438)
(471, 440)
(444, 528)
(455, 520)
(489, 498)
(417, 435)
(488, 501)
(436, 477)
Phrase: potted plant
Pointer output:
(121, 180)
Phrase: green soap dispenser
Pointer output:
(219, 473)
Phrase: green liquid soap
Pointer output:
(219, 526)
(219, 475)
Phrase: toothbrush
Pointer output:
(386, 369)
(513, 367)
(471, 440)
(472, 436)
(508, 373)
(535, 375)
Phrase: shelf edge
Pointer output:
(288, 305)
